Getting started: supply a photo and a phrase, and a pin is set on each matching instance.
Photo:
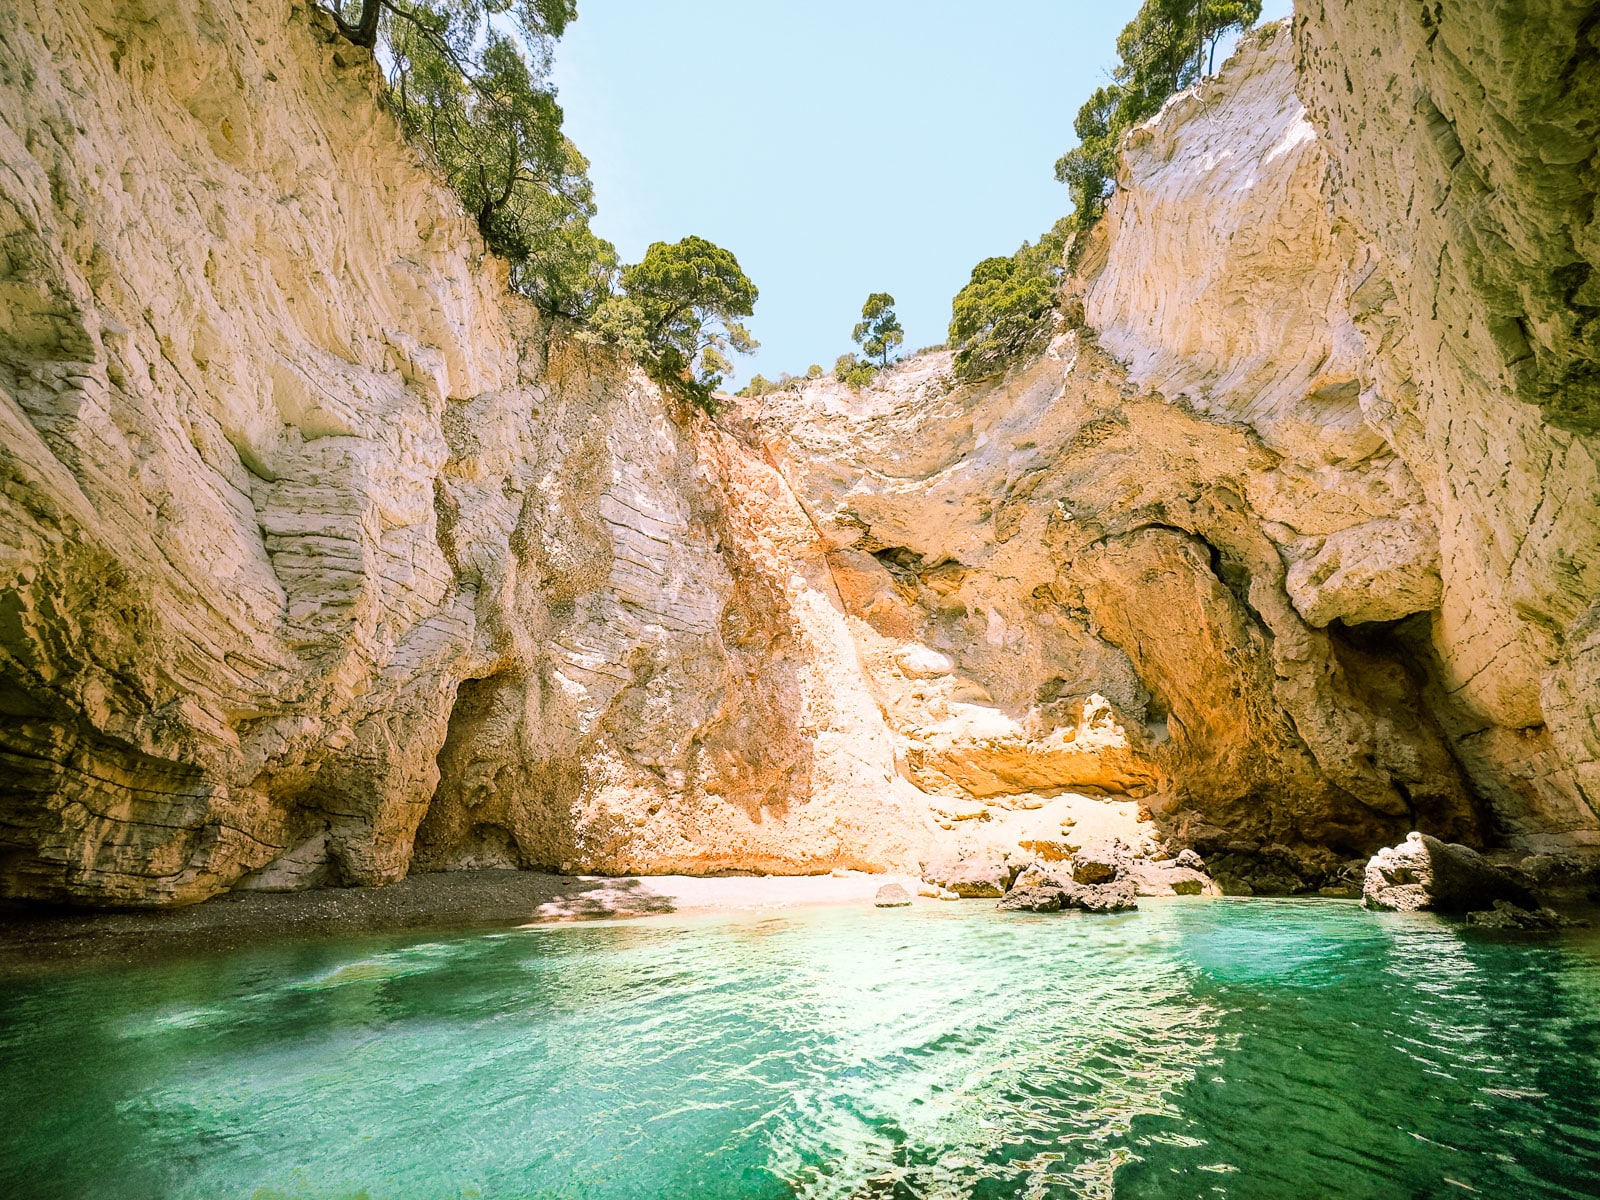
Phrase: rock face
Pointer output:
(1424, 873)
(324, 559)
(1220, 508)
(323, 556)
(1461, 148)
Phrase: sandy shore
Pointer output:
(31, 941)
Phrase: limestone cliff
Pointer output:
(322, 558)
(1463, 155)
(301, 507)
(1320, 591)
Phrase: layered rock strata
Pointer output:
(324, 559)
(323, 556)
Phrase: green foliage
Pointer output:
(1161, 50)
(539, 21)
(878, 332)
(480, 103)
(761, 386)
(1217, 18)
(1005, 311)
(853, 372)
(680, 315)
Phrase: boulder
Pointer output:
(892, 895)
(1424, 873)
(1190, 859)
(1117, 896)
(1032, 899)
(980, 877)
(1169, 879)
(1098, 862)
(1036, 875)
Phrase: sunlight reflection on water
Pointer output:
(1222, 1048)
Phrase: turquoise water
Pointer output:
(1272, 1049)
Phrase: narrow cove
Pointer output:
(1192, 1048)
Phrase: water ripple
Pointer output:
(1254, 1049)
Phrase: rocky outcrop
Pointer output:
(325, 560)
(1188, 538)
(323, 556)
(1106, 877)
(1424, 873)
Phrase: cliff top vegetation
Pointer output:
(470, 83)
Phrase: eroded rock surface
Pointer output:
(1461, 148)
(1424, 873)
(325, 560)
(323, 555)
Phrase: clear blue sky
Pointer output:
(837, 147)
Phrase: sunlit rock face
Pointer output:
(1461, 144)
(311, 533)
(1181, 510)
(326, 560)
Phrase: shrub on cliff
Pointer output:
(759, 385)
(853, 372)
(487, 116)
(1164, 48)
(680, 314)
(1005, 311)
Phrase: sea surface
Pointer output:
(1271, 1049)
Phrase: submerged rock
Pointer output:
(1505, 915)
(1424, 873)
(892, 895)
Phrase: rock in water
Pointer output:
(1032, 899)
(1097, 863)
(1117, 896)
(1036, 875)
(1169, 879)
(1038, 890)
(1424, 873)
(1508, 916)
(892, 895)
